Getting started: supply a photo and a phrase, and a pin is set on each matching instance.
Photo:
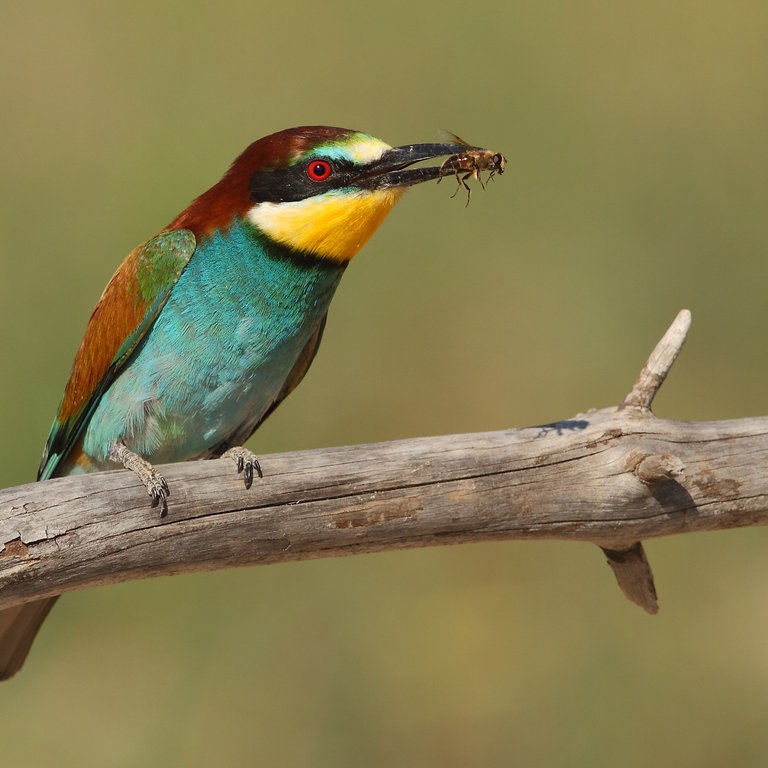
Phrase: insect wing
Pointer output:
(452, 138)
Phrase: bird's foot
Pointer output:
(246, 462)
(153, 481)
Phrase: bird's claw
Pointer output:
(158, 490)
(246, 463)
(153, 481)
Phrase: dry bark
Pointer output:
(613, 477)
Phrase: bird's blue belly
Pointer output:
(219, 353)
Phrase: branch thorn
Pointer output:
(633, 572)
(659, 362)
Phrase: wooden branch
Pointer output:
(612, 477)
(655, 371)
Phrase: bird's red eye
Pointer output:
(319, 170)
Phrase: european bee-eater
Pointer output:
(209, 325)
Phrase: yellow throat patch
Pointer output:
(332, 226)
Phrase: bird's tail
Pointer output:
(18, 628)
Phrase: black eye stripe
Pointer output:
(285, 185)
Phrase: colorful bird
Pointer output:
(205, 328)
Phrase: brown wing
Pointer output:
(126, 310)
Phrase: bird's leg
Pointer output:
(246, 462)
(153, 481)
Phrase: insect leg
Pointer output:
(466, 186)
(458, 183)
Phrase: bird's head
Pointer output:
(317, 190)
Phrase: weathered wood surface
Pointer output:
(580, 479)
(612, 477)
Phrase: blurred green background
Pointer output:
(636, 185)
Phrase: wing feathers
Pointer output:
(125, 312)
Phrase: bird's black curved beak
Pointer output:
(389, 170)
